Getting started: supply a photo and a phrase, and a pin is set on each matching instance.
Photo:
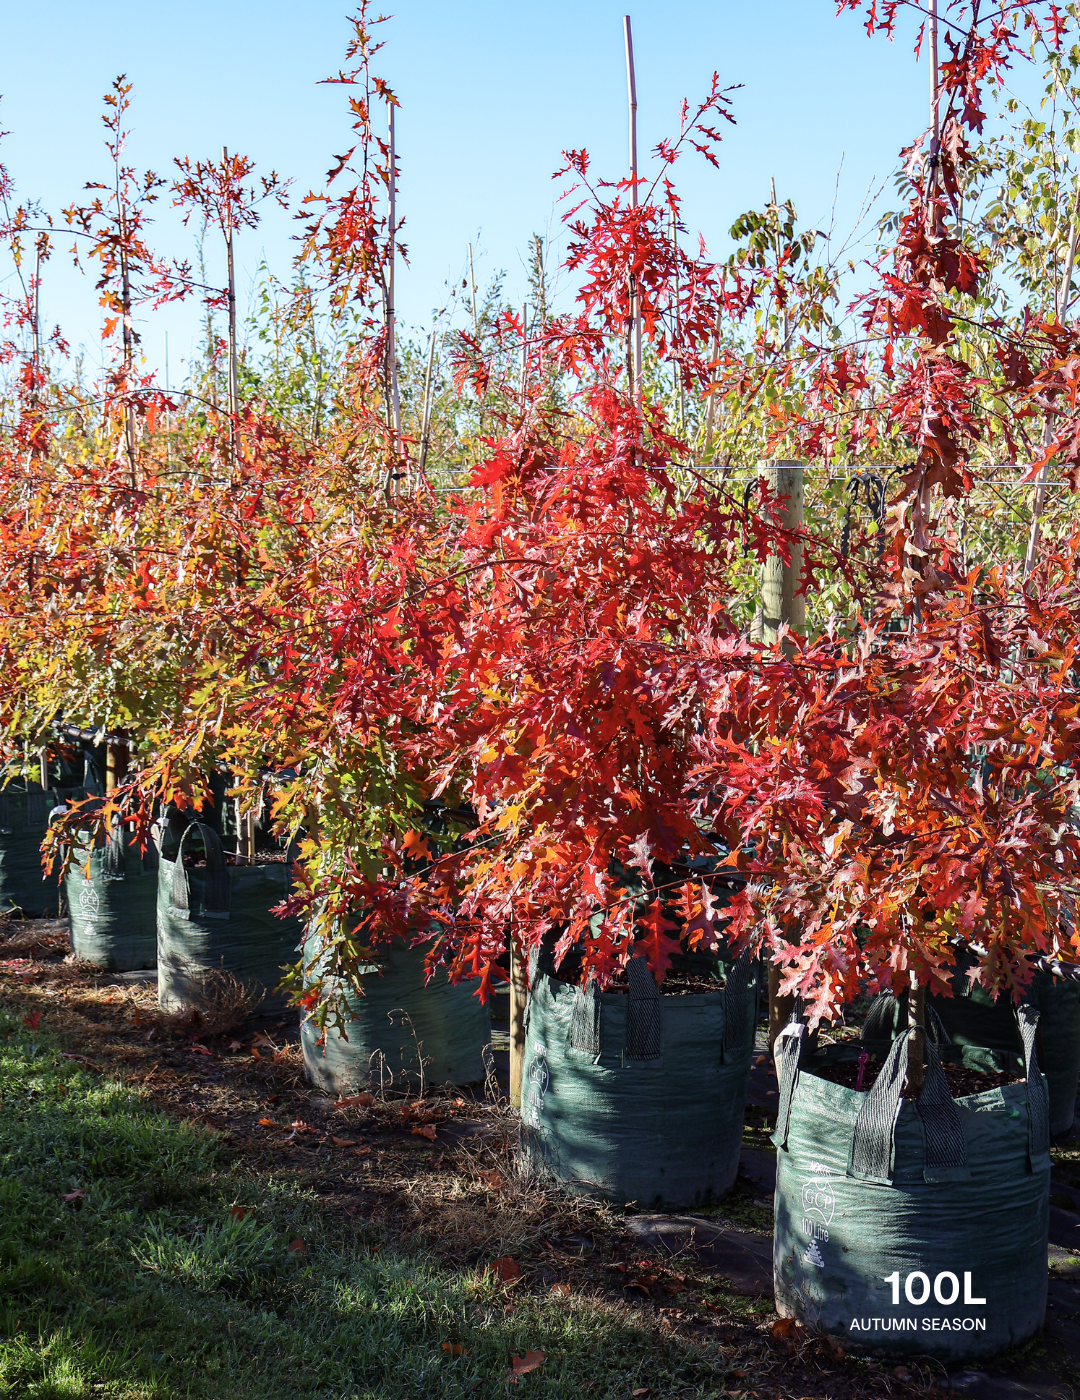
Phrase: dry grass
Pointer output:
(33, 937)
(222, 1003)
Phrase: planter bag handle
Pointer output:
(881, 1026)
(787, 1052)
(1037, 1094)
(740, 979)
(644, 1036)
(585, 1021)
(216, 899)
(872, 1142)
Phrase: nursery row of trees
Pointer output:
(479, 616)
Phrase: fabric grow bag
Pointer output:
(24, 819)
(111, 894)
(639, 1097)
(974, 1018)
(911, 1227)
(404, 1018)
(217, 917)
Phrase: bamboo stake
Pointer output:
(425, 421)
(35, 325)
(785, 334)
(476, 338)
(234, 389)
(935, 112)
(631, 94)
(710, 407)
(524, 354)
(916, 1039)
(43, 769)
(1061, 304)
(391, 345)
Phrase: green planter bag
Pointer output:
(111, 892)
(911, 1227)
(406, 1020)
(639, 1097)
(973, 1018)
(24, 819)
(217, 918)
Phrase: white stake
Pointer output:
(935, 118)
(631, 93)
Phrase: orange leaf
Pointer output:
(522, 1365)
(361, 1151)
(416, 846)
(239, 1212)
(31, 1021)
(268, 1123)
(560, 1290)
(342, 1142)
(298, 1246)
(357, 1101)
(425, 1130)
(455, 1348)
(507, 1270)
(493, 1180)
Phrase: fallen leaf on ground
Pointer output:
(239, 1212)
(297, 1246)
(454, 1348)
(136, 1017)
(507, 1270)
(641, 1391)
(268, 1123)
(457, 1103)
(785, 1328)
(73, 1198)
(560, 1290)
(361, 1151)
(260, 1038)
(199, 1050)
(522, 1365)
(82, 1060)
(235, 1044)
(342, 1142)
(425, 1130)
(493, 1180)
(356, 1101)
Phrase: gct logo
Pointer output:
(946, 1289)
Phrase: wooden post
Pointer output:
(519, 994)
(781, 603)
(116, 761)
(245, 835)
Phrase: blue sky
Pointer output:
(490, 94)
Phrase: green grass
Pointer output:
(151, 1286)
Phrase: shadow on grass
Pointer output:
(138, 1261)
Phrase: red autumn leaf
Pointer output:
(364, 1100)
(199, 1050)
(455, 1348)
(522, 1365)
(31, 1021)
(268, 1123)
(505, 1268)
(297, 1246)
(342, 1142)
(425, 1130)
(75, 1198)
(655, 943)
(239, 1212)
